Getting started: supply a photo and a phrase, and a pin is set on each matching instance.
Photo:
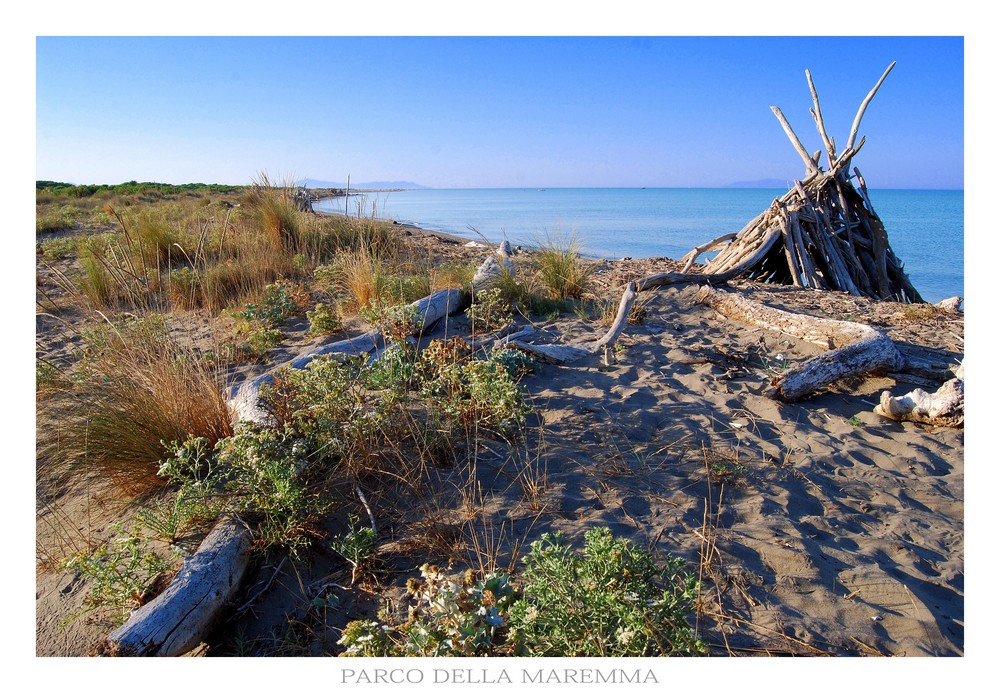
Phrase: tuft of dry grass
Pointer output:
(138, 390)
(559, 264)
(275, 207)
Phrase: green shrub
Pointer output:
(327, 403)
(490, 311)
(123, 575)
(267, 472)
(323, 320)
(479, 393)
(611, 601)
(281, 300)
(356, 546)
(395, 369)
(56, 248)
(515, 362)
(58, 219)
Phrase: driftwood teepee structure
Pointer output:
(823, 233)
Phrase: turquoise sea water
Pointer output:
(925, 227)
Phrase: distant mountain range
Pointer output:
(361, 185)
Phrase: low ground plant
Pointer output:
(450, 617)
(612, 600)
(324, 319)
(490, 311)
(478, 393)
(356, 546)
(124, 574)
(269, 476)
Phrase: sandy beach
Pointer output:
(817, 527)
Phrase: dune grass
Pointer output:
(136, 391)
(561, 268)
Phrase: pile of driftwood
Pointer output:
(823, 233)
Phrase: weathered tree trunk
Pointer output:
(946, 407)
(856, 348)
(182, 615)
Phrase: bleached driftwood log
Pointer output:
(182, 615)
(952, 305)
(945, 407)
(697, 252)
(854, 348)
(567, 353)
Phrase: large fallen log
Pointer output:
(182, 615)
(855, 349)
(945, 407)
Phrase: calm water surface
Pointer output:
(925, 227)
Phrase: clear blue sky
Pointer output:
(490, 112)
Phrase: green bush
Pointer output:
(123, 575)
(490, 311)
(611, 601)
(267, 473)
(478, 393)
(323, 320)
(281, 300)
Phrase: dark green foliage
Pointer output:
(611, 601)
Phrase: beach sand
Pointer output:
(817, 527)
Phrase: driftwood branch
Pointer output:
(567, 353)
(182, 615)
(796, 142)
(864, 105)
(695, 253)
(831, 150)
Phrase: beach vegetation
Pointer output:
(357, 546)
(562, 270)
(490, 311)
(61, 218)
(123, 573)
(57, 248)
(611, 600)
(135, 388)
(324, 319)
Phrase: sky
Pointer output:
(492, 111)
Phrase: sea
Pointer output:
(925, 227)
